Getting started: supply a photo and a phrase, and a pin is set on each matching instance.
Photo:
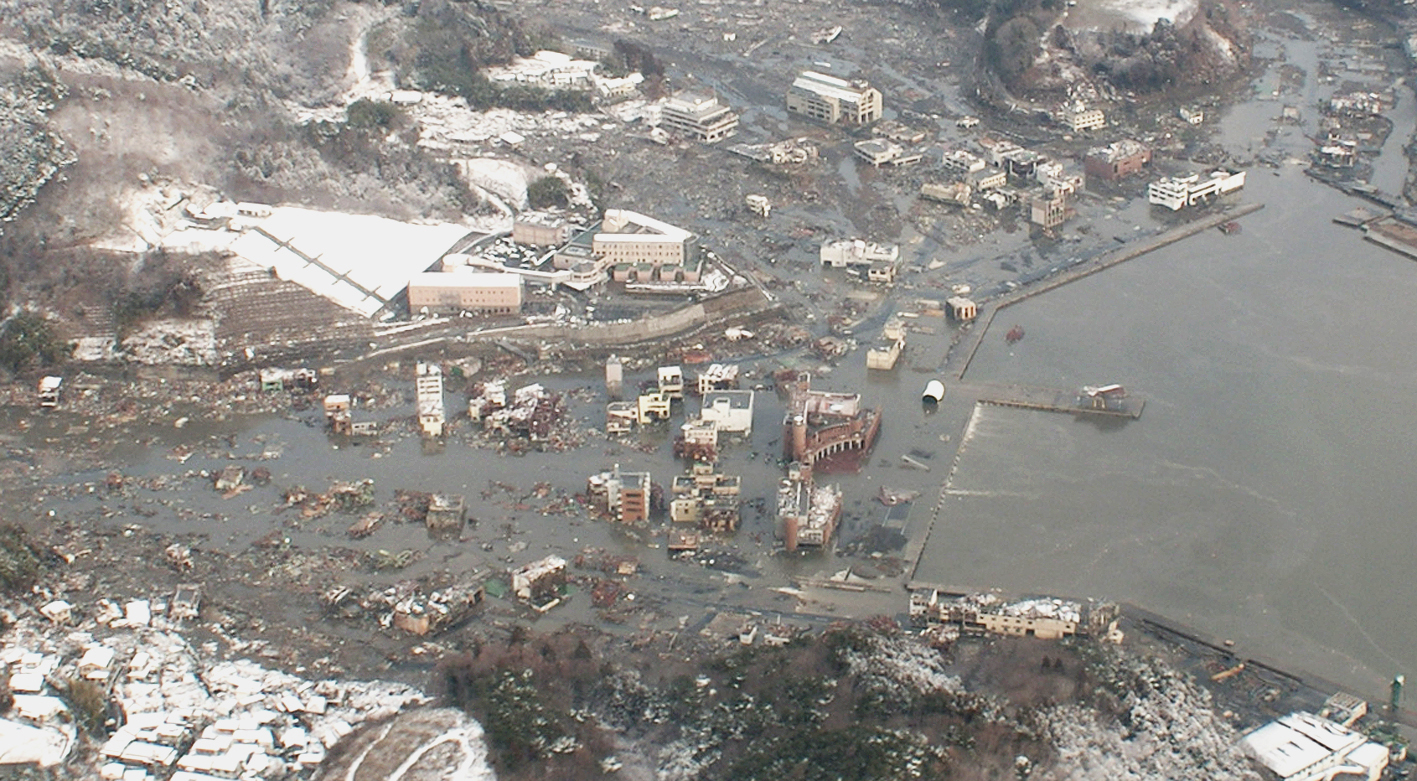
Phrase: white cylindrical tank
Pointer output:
(934, 391)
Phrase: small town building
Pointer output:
(671, 381)
(465, 291)
(962, 309)
(697, 440)
(706, 498)
(49, 391)
(884, 354)
(652, 407)
(630, 239)
(962, 161)
(1191, 116)
(833, 100)
(1048, 211)
(1079, 118)
(988, 179)
(759, 205)
(700, 117)
(337, 413)
(881, 151)
(614, 376)
(730, 410)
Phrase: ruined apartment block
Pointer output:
(885, 352)
(697, 440)
(671, 382)
(1047, 618)
(624, 496)
(446, 513)
(540, 582)
(706, 498)
(428, 390)
(717, 377)
(807, 513)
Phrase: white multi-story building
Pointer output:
(731, 410)
(1078, 119)
(700, 117)
(1176, 193)
(833, 100)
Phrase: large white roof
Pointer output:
(458, 279)
(1298, 741)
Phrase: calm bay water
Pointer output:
(1265, 494)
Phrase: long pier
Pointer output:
(1053, 400)
(1119, 255)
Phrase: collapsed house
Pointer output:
(532, 412)
(540, 582)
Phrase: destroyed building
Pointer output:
(337, 413)
(1047, 618)
(717, 377)
(671, 382)
(807, 513)
(540, 582)
(624, 496)
(886, 350)
(706, 498)
(697, 440)
(446, 513)
(1117, 160)
(533, 412)
(621, 417)
(1305, 747)
(539, 229)
(819, 424)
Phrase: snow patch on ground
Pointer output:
(1166, 731)
(899, 663)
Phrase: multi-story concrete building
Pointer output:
(845, 253)
(1117, 160)
(539, 229)
(731, 410)
(820, 424)
(428, 390)
(632, 239)
(700, 117)
(624, 495)
(833, 100)
(1079, 119)
(471, 291)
